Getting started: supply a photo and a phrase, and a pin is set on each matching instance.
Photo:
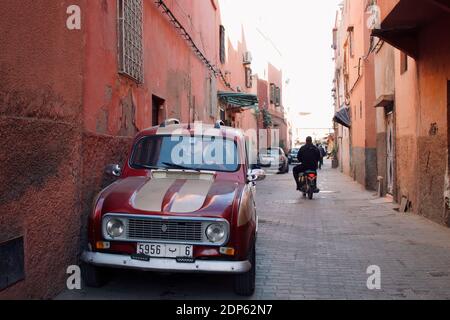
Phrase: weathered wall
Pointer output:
(364, 167)
(359, 165)
(434, 72)
(371, 182)
(406, 109)
(40, 117)
(421, 106)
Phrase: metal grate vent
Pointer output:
(12, 267)
(130, 26)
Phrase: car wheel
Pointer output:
(93, 276)
(244, 284)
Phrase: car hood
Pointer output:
(168, 192)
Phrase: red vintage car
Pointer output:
(167, 215)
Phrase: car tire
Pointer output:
(93, 276)
(244, 284)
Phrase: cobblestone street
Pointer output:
(317, 249)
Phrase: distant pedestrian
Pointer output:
(323, 153)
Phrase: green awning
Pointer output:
(238, 99)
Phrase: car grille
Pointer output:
(156, 230)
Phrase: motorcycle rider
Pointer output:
(308, 156)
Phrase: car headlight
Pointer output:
(216, 232)
(115, 228)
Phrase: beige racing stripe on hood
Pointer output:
(151, 196)
(192, 196)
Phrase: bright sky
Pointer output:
(302, 31)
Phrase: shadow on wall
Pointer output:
(98, 152)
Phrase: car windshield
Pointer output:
(294, 151)
(186, 152)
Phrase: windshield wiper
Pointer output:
(177, 166)
(143, 166)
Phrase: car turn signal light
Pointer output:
(103, 245)
(227, 251)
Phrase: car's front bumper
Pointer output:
(164, 265)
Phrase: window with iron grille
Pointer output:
(277, 96)
(248, 78)
(130, 39)
(272, 93)
(222, 45)
(351, 40)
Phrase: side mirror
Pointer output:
(256, 175)
(113, 170)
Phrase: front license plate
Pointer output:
(165, 250)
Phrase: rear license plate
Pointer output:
(156, 250)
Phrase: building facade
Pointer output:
(418, 44)
(410, 101)
(354, 93)
(79, 80)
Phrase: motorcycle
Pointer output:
(308, 184)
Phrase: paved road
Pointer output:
(317, 249)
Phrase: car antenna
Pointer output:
(189, 116)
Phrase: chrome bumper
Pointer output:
(164, 265)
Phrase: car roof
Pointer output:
(194, 129)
